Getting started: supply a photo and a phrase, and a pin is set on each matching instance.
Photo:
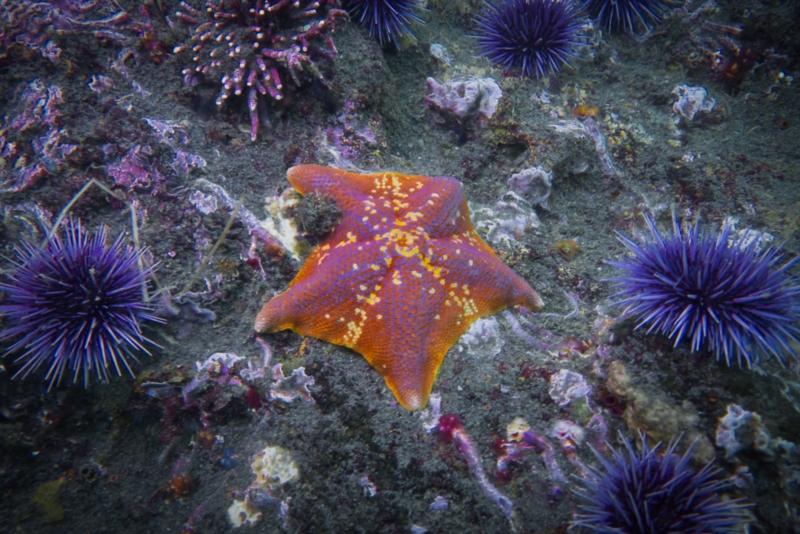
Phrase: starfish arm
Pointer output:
(439, 207)
(363, 214)
(474, 272)
(370, 203)
(427, 304)
(401, 278)
(338, 184)
(406, 337)
(322, 299)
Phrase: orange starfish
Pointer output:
(400, 278)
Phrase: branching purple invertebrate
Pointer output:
(451, 430)
(31, 138)
(255, 47)
(34, 25)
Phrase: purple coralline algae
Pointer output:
(237, 374)
(692, 102)
(135, 160)
(31, 138)
(36, 25)
(254, 47)
(506, 221)
(463, 101)
(741, 430)
(533, 183)
(175, 136)
(567, 386)
(352, 137)
(133, 170)
(451, 430)
(746, 440)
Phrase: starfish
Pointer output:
(401, 277)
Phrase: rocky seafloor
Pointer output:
(303, 436)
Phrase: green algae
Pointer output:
(47, 498)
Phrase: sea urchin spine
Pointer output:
(628, 16)
(75, 306)
(721, 293)
(252, 45)
(529, 37)
(653, 490)
(386, 20)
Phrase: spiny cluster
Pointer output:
(655, 489)
(75, 307)
(713, 290)
(628, 16)
(251, 46)
(386, 20)
(529, 37)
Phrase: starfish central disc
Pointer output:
(400, 278)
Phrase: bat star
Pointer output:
(399, 280)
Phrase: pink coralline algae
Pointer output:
(462, 101)
(31, 138)
(136, 160)
(513, 449)
(221, 381)
(251, 47)
(134, 171)
(353, 137)
(36, 25)
(451, 430)
(238, 376)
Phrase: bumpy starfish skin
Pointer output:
(400, 278)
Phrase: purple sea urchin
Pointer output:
(254, 47)
(628, 16)
(529, 37)
(647, 491)
(75, 306)
(386, 20)
(720, 293)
